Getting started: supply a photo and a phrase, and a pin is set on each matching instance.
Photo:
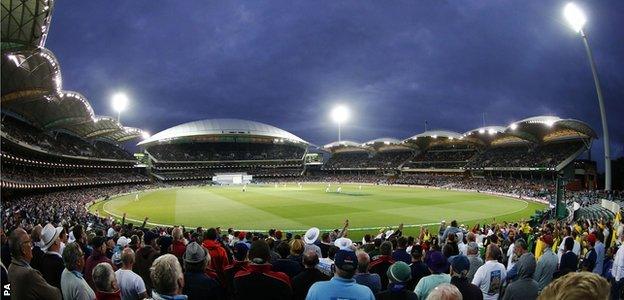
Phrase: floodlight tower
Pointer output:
(119, 103)
(575, 16)
(340, 114)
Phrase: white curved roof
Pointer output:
(384, 140)
(437, 133)
(343, 143)
(222, 126)
(487, 129)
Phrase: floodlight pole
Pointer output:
(119, 116)
(339, 131)
(603, 113)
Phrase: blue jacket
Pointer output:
(339, 288)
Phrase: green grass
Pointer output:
(290, 208)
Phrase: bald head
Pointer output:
(363, 261)
(310, 259)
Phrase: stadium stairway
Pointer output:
(594, 212)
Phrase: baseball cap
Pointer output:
(346, 260)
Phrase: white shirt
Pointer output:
(489, 278)
(130, 284)
(576, 249)
(510, 254)
(618, 265)
(463, 248)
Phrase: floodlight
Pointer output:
(120, 102)
(575, 16)
(340, 114)
(145, 135)
(513, 126)
(491, 131)
(481, 130)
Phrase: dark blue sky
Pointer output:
(395, 64)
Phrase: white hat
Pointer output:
(311, 235)
(123, 241)
(343, 243)
(49, 234)
(389, 233)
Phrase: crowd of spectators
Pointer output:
(544, 156)
(67, 176)
(225, 151)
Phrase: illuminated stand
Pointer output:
(232, 178)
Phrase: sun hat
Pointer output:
(123, 241)
(311, 235)
(346, 260)
(49, 234)
(399, 272)
(343, 243)
(437, 262)
(194, 253)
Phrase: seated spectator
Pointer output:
(285, 264)
(342, 285)
(325, 263)
(490, 277)
(130, 283)
(438, 265)
(258, 281)
(460, 266)
(97, 256)
(418, 267)
(26, 282)
(381, 263)
(400, 254)
(399, 276)
(105, 282)
(363, 277)
(240, 263)
(310, 274)
(297, 246)
(524, 287)
(445, 291)
(198, 285)
(73, 285)
(167, 278)
(581, 285)
(52, 262)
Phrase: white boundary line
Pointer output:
(526, 204)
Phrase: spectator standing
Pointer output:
(490, 277)
(399, 276)
(131, 284)
(198, 285)
(218, 256)
(284, 264)
(617, 270)
(600, 253)
(400, 254)
(342, 285)
(363, 277)
(473, 256)
(382, 263)
(459, 278)
(569, 260)
(310, 274)
(589, 262)
(310, 238)
(73, 285)
(144, 257)
(52, 262)
(418, 267)
(438, 265)
(524, 287)
(547, 264)
(167, 278)
(178, 246)
(97, 256)
(258, 281)
(240, 263)
(105, 282)
(26, 282)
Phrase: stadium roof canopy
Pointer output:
(384, 141)
(542, 129)
(345, 146)
(222, 127)
(433, 137)
(25, 23)
(483, 135)
(386, 144)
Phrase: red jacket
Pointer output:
(259, 282)
(178, 248)
(218, 257)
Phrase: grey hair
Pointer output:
(103, 276)
(363, 261)
(165, 272)
(445, 291)
(522, 243)
(71, 254)
(472, 248)
(127, 256)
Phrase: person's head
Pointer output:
(310, 259)
(492, 252)
(176, 233)
(50, 237)
(325, 237)
(240, 251)
(445, 291)
(511, 236)
(283, 249)
(417, 253)
(99, 244)
(437, 262)
(472, 248)
(520, 246)
(73, 257)
(104, 278)
(20, 245)
(385, 248)
(548, 240)
(399, 272)
(259, 253)
(591, 239)
(331, 252)
(454, 223)
(401, 242)
(127, 258)
(577, 286)
(460, 266)
(526, 266)
(296, 247)
(166, 274)
(195, 258)
(471, 237)
(568, 244)
(35, 233)
(211, 234)
(363, 261)
(78, 232)
(345, 264)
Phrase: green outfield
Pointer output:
(291, 208)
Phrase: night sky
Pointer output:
(396, 64)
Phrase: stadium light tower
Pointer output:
(340, 114)
(575, 16)
(119, 102)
